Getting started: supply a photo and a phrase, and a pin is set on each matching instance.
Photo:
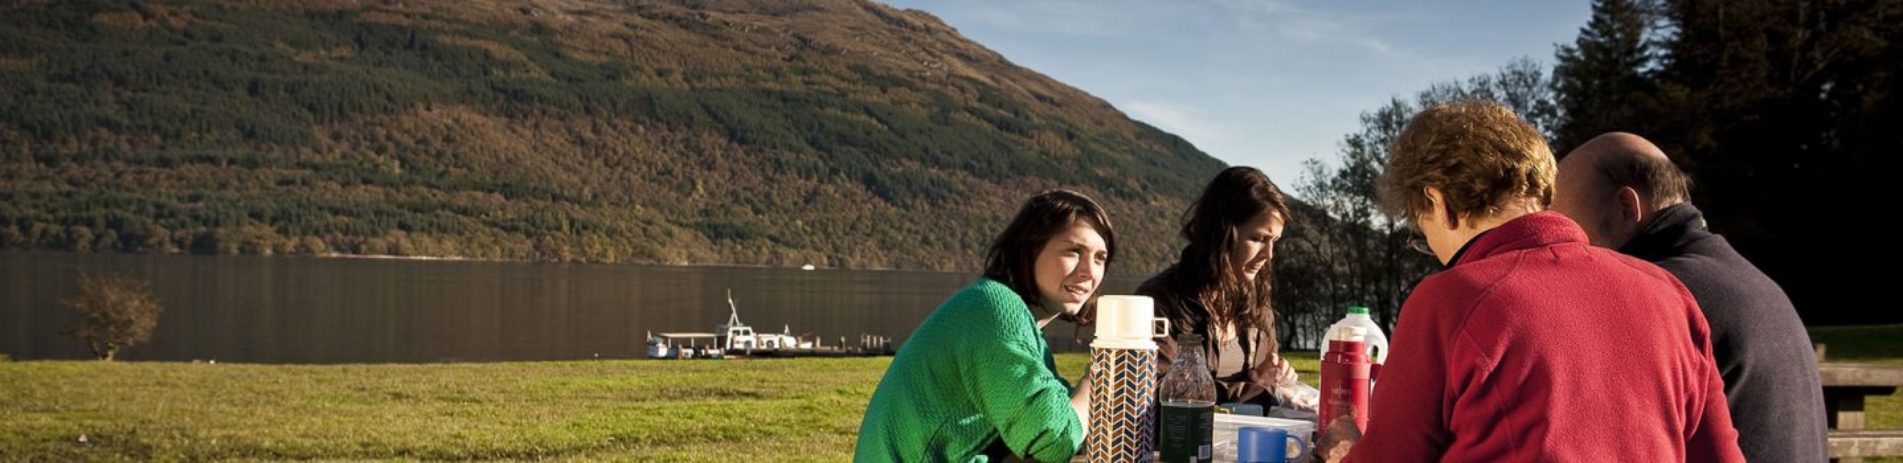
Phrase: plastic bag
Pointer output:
(1298, 396)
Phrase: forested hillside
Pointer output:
(834, 132)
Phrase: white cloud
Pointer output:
(1253, 20)
(1079, 18)
(1280, 18)
(1180, 120)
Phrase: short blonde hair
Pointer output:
(1479, 155)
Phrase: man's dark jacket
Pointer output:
(1762, 350)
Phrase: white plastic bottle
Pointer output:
(1358, 316)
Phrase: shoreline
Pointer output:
(390, 257)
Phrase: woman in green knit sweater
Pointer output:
(976, 382)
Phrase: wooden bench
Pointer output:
(1846, 385)
(1854, 445)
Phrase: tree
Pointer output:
(1601, 77)
(115, 312)
(1356, 248)
(1346, 252)
(1521, 85)
(1784, 112)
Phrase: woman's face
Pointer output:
(1255, 244)
(1070, 267)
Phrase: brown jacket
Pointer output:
(1256, 382)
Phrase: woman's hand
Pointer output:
(1339, 438)
(1288, 389)
(1080, 400)
(1286, 372)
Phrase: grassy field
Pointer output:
(762, 410)
(797, 410)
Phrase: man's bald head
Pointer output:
(1613, 183)
(1621, 159)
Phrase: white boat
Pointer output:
(737, 338)
(684, 345)
(733, 336)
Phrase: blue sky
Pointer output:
(1266, 83)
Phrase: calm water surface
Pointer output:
(330, 310)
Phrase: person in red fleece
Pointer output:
(1532, 344)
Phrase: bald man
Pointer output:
(1628, 196)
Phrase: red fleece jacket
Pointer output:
(1534, 346)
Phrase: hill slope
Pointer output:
(835, 132)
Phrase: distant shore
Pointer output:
(391, 257)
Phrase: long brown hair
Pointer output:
(1012, 259)
(1211, 226)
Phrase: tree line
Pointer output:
(1786, 115)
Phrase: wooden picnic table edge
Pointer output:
(1853, 374)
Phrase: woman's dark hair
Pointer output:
(1211, 225)
(1012, 259)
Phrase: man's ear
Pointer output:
(1631, 207)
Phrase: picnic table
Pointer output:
(1846, 385)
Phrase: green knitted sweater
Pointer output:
(977, 369)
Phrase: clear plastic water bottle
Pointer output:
(1189, 405)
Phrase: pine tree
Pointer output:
(1602, 76)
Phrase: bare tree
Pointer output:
(1348, 252)
(115, 312)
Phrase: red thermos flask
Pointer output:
(1346, 374)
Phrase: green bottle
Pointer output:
(1188, 394)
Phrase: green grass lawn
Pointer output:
(784, 410)
(755, 410)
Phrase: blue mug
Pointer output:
(1267, 445)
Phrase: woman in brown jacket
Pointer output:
(1219, 288)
